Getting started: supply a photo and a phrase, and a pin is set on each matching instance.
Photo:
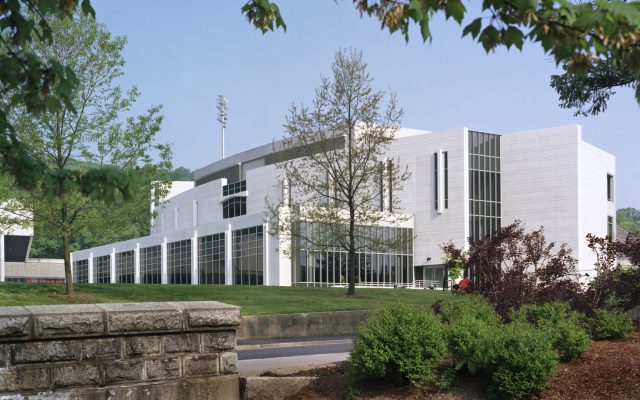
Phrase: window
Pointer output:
(179, 262)
(610, 187)
(234, 207)
(151, 265)
(484, 184)
(81, 271)
(125, 268)
(211, 262)
(446, 179)
(435, 179)
(102, 268)
(390, 183)
(233, 188)
(445, 159)
(247, 256)
(610, 228)
(385, 258)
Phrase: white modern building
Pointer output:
(463, 184)
(15, 245)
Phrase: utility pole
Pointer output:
(222, 116)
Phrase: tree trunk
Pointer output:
(445, 279)
(67, 265)
(353, 263)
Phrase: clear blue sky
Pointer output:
(184, 54)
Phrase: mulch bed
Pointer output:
(608, 370)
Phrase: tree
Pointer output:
(88, 135)
(629, 219)
(332, 164)
(587, 92)
(598, 42)
(512, 267)
(181, 174)
(40, 85)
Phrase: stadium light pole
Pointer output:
(222, 116)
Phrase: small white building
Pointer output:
(463, 184)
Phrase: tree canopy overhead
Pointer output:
(588, 38)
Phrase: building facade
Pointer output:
(463, 184)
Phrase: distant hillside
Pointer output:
(629, 219)
(181, 174)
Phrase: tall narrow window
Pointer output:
(609, 187)
(125, 267)
(102, 269)
(211, 258)
(390, 184)
(179, 262)
(610, 228)
(81, 271)
(435, 179)
(446, 179)
(381, 184)
(151, 264)
(445, 176)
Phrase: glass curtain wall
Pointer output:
(211, 257)
(179, 262)
(248, 250)
(484, 184)
(379, 267)
(81, 271)
(151, 265)
(102, 269)
(125, 268)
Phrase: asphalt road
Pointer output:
(294, 351)
(291, 353)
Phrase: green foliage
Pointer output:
(626, 288)
(468, 306)
(587, 92)
(400, 344)
(264, 15)
(181, 174)
(564, 327)
(91, 137)
(42, 84)
(467, 317)
(517, 359)
(610, 325)
(629, 219)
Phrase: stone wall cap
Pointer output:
(201, 305)
(14, 311)
(109, 319)
(133, 307)
(64, 309)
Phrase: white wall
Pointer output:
(550, 177)
(595, 164)
(431, 229)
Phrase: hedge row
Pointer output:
(412, 345)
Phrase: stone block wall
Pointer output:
(178, 350)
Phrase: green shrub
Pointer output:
(468, 318)
(570, 339)
(517, 359)
(610, 325)
(466, 306)
(400, 344)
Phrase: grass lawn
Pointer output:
(254, 300)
